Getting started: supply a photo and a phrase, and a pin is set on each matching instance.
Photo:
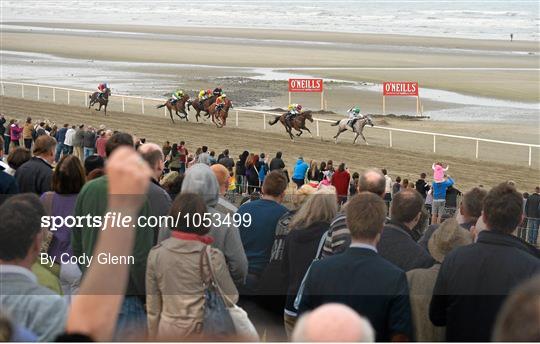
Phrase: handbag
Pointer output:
(243, 327)
(217, 322)
(298, 298)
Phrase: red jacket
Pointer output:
(340, 180)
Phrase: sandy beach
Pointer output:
(486, 68)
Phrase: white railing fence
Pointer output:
(139, 104)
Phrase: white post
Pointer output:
(38, 93)
(68, 97)
(236, 117)
(22, 90)
(264, 121)
(3, 91)
(476, 155)
(85, 99)
(318, 128)
(322, 100)
(289, 97)
(123, 105)
(54, 95)
(142, 105)
(417, 106)
(390, 137)
(530, 156)
(383, 105)
(434, 144)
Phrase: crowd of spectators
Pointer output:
(333, 254)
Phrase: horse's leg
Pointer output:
(105, 110)
(340, 130)
(170, 114)
(299, 132)
(100, 105)
(355, 138)
(309, 131)
(361, 134)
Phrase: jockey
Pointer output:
(220, 102)
(102, 88)
(202, 93)
(176, 96)
(354, 115)
(294, 109)
(217, 91)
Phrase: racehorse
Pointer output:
(201, 106)
(298, 123)
(103, 100)
(179, 106)
(221, 115)
(358, 127)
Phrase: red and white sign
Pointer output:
(305, 85)
(400, 88)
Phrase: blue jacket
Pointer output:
(61, 135)
(439, 189)
(300, 169)
(258, 238)
(8, 185)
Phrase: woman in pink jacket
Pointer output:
(15, 133)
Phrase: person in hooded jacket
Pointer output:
(199, 179)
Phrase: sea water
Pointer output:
(489, 19)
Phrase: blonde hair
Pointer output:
(319, 206)
(302, 193)
(168, 178)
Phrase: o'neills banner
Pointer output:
(305, 85)
(400, 88)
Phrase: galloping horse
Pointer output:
(298, 123)
(358, 127)
(201, 106)
(179, 106)
(221, 115)
(102, 100)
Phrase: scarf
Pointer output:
(205, 239)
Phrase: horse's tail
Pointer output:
(334, 124)
(160, 106)
(274, 121)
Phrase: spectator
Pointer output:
(67, 181)
(166, 149)
(201, 180)
(262, 168)
(101, 142)
(35, 175)
(470, 211)
(225, 160)
(7, 135)
(89, 142)
(397, 186)
(277, 162)
(258, 237)
(222, 176)
(451, 201)
(183, 156)
(2, 129)
(299, 173)
(30, 305)
(158, 199)
(8, 184)
(40, 130)
(330, 166)
(322, 169)
(176, 297)
(172, 183)
(15, 132)
(397, 244)
(532, 212)
(439, 198)
(520, 315)
(313, 172)
(387, 187)
(353, 186)
(333, 322)
(474, 280)
(174, 158)
(341, 180)
(339, 236)
(93, 162)
(307, 227)
(78, 141)
(28, 129)
(60, 138)
(421, 281)
(384, 301)
(404, 184)
(422, 186)
(92, 201)
(16, 158)
(252, 173)
(204, 157)
(212, 158)
(241, 172)
(68, 141)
